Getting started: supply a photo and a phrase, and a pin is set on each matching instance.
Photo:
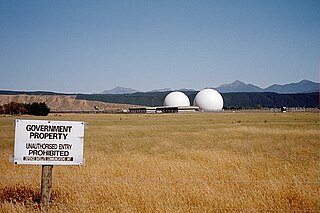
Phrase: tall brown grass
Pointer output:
(202, 162)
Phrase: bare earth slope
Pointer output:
(61, 102)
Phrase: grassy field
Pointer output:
(202, 162)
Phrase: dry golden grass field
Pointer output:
(201, 162)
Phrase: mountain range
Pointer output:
(237, 94)
(304, 86)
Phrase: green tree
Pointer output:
(37, 108)
(14, 108)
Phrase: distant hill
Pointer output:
(161, 90)
(9, 92)
(120, 90)
(238, 86)
(185, 90)
(62, 102)
(139, 98)
(237, 94)
(170, 90)
(234, 99)
(304, 86)
(269, 99)
(123, 101)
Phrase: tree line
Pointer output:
(15, 108)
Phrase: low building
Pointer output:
(163, 109)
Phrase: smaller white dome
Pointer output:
(209, 100)
(176, 99)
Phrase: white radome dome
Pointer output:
(176, 99)
(209, 100)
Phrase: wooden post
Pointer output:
(46, 184)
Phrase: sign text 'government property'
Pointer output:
(48, 142)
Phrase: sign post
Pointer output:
(46, 184)
(48, 143)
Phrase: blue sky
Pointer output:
(91, 46)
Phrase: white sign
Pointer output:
(48, 142)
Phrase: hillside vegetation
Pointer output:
(239, 99)
(201, 162)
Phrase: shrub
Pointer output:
(14, 108)
(37, 108)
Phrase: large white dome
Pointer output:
(209, 100)
(176, 99)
